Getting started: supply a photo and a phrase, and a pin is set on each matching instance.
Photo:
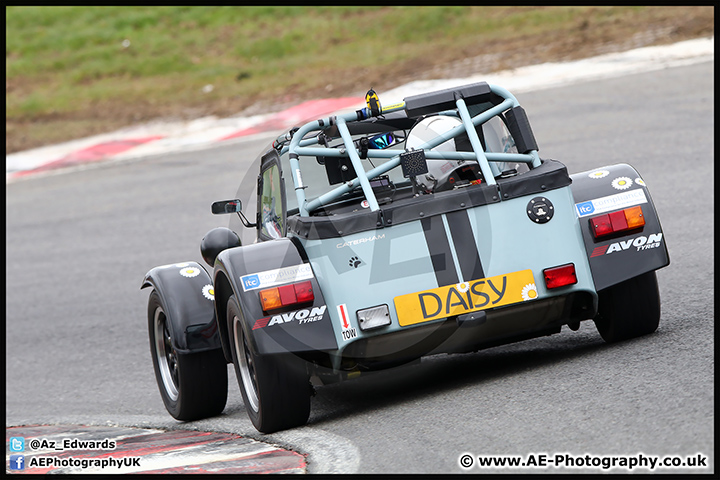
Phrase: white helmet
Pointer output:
(439, 171)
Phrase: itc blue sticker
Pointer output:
(611, 202)
(250, 282)
(585, 208)
(270, 278)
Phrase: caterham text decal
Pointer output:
(306, 315)
(359, 241)
(278, 276)
(611, 202)
(637, 244)
(465, 297)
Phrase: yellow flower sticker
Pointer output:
(599, 174)
(208, 292)
(529, 292)
(190, 272)
(622, 183)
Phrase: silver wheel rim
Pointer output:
(245, 365)
(166, 355)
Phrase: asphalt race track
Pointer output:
(79, 244)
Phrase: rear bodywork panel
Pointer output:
(455, 249)
(243, 271)
(619, 258)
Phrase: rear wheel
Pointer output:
(275, 388)
(192, 386)
(629, 309)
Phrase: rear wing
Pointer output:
(484, 100)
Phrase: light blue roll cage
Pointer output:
(299, 146)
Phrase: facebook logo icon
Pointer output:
(17, 444)
(17, 462)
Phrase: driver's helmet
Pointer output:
(431, 127)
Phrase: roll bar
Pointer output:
(434, 102)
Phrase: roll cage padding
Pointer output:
(519, 126)
(389, 122)
(432, 102)
(548, 176)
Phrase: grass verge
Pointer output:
(78, 71)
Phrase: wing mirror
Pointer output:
(227, 206)
(231, 206)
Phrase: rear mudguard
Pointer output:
(618, 258)
(186, 295)
(244, 271)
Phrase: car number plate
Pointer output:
(465, 297)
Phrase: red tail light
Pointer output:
(560, 276)
(286, 295)
(304, 292)
(627, 219)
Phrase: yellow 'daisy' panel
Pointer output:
(465, 297)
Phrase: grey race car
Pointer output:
(391, 233)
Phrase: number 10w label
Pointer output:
(348, 331)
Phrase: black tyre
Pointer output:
(629, 309)
(275, 388)
(192, 386)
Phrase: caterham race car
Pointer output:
(395, 232)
